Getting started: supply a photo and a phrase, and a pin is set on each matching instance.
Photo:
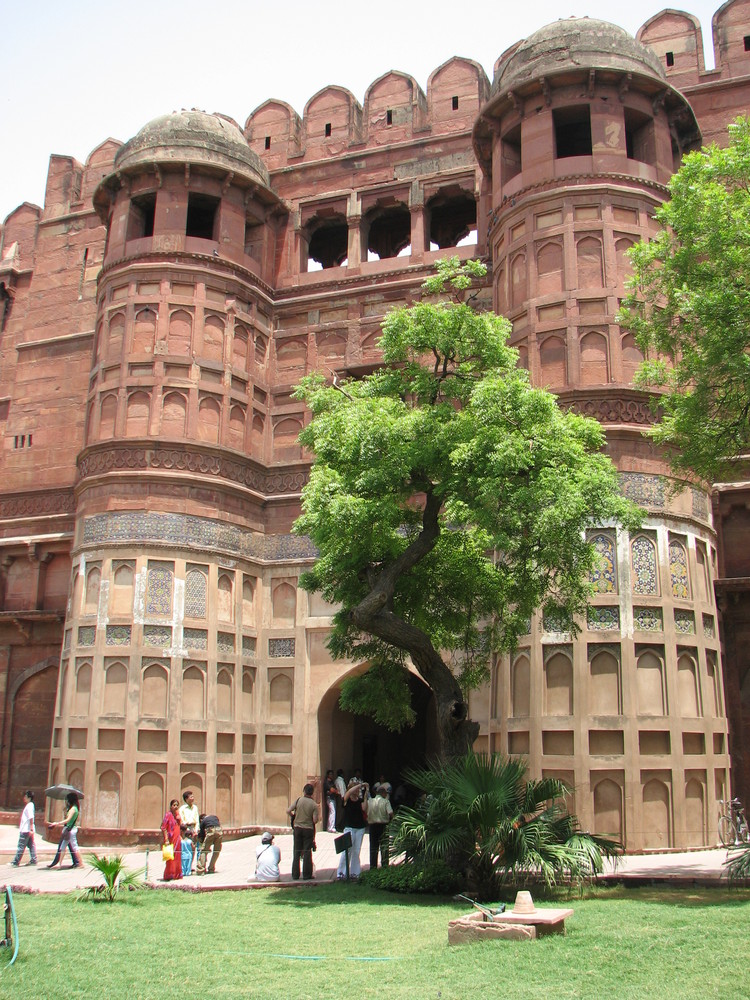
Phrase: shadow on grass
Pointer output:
(333, 895)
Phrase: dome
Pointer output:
(195, 138)
(576, 44)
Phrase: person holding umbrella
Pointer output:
(70, 829)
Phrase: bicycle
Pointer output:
(733, 828)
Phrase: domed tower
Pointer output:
(175, 499)
(577, 142)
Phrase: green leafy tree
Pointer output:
(689, 308)
(481, 814)
(448, 500)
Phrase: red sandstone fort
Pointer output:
(155, 316)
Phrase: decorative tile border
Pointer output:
(191, 532)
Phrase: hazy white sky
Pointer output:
(75, 72)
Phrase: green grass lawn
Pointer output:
(355, 943)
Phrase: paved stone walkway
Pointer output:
(236, 866)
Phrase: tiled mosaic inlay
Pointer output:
(281, 647)
(225, 642)
(643, 489)
(157, 635)
(604, 575)
(159, 593)
(643, 557)
(709, 627)
(195, 594)
(648, 619)
(66, 640)
(700, 504)
(684, 622)
(555, 621)
(249, 644)
(118, 635)
(87, 635)
(603, 619)
(195, 638)
(193, 532)
(678, 570)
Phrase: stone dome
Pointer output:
(575, 44)
(195, 138)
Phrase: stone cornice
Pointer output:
(611, 405)
(38, 504)
(99, 460)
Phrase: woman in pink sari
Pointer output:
(170, 829)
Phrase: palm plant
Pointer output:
(116, 878)
(737, 865)
(482, 815)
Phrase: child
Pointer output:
(187, 851)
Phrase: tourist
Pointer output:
(26, 831)
(355, 821)
(267, 858)
(379, 784)
(170, 828)
(379, 815)
(190, 818)
(330, 794)
(341, 789)
(68, 838)
(209, 839)
(186, 852)
(304, 813)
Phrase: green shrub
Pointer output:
(430, 877)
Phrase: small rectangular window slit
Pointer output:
(389, 117)
(670, 58)
(746, 42)
(268, 142)
(454, 103)
(328, 129)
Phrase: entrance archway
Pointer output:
(351, 741)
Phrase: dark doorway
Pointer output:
(355, 741)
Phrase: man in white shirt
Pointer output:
(189, 819)
(267, 858)
(26, 831)
(379, 815)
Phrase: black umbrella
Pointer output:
(61, 792)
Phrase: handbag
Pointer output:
(167, 852)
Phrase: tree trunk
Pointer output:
(374, 615)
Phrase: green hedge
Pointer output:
(432, 877)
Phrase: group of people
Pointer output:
(68, 835)
(349, 808)
(188, 837)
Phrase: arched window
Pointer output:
(608, 809)
(552, 357)
(604, 684)
(193, 693)
(650, 682)
(107, 417)
(144, 332)
(174, 415)
(678, 570)
(195, 594)
(154, 692)
(93, 584)
(604, 575)
(115, 689)
(240, 347)
(643, 562)
(594, 359)
(213, 339)
(558, 685)
(280, 699)
(248, 601)
(180, 335)
(116, 336)
(121, 594)
(284, 604)
(237, 428)
(688, 688)
(520, 691)
(224, 685)
(657, 825)
(82, 702)
(225, 589)
(518, 279)
(108, 800)
(209, 419)
(549, 266)
(137, 417)
(590, 264)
